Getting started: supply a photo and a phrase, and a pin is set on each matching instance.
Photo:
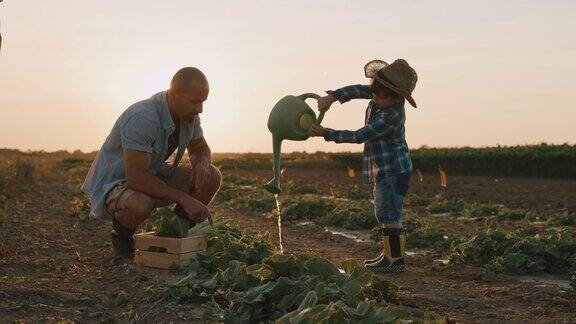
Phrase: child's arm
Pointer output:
(379, 127)
(347, 93)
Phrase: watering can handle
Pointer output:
(317, 97)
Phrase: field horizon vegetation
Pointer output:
(534, 161)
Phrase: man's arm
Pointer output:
(139, 178)
(200, 159)
(199, 149)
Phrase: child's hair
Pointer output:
(382, 91)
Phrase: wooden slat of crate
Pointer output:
(172, 245)
(162, 260)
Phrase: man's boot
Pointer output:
(122, 241)
(393, 244)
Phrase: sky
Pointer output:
(490, 72)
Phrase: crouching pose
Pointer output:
(131, 174)
(386, 158)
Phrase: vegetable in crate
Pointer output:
(170, 225)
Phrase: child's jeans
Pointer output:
(389, 194)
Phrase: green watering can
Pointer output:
(290, 119)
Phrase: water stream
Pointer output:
(279, 223)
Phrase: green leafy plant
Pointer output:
(350, 216)
(440, 204)
(414, 200)
(482, 209)
(164, 222)
(420, 233)
(358, 194)
(307, 208)
(562, 219)
(300, 188)
(553, 251)
(80, 206)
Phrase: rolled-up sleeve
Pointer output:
(139, 134)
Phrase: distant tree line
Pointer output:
(536, 161)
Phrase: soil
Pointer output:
(56, 265)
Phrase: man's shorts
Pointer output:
(389, 196)
(120, 195)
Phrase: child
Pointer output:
(386, 157)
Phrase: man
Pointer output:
(131, 176)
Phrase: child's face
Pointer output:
(384, 102)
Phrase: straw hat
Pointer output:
(398, 77)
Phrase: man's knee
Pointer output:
(213, 182)
(135, 210)
(140, 205)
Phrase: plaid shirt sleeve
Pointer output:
(347, 93)
(381, 126)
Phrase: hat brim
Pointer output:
(399, 91)
(411, 101)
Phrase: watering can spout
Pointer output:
(273, 185)
(290, 119)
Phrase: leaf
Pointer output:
(287, 302)
(360, 276)
(310, 300)
(349, 265)
(382, 287)
(321, 267)
(515, 263)
(283, 264)
(254, 294)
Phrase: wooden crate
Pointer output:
(160, 252)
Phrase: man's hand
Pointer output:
(316, 130)
(325, 102)
(200, 172)
(196, 210)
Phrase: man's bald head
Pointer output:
(187, 78)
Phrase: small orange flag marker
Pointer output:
(443, 178)
(351, 172)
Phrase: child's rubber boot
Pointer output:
(122, 241)
(379, 257)
(393, 243)
(376, 259)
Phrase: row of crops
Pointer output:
(542, 161)
(534, 243)
(241, 278)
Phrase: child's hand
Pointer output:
(325, 102)
(316, 130)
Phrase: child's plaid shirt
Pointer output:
(385, 147)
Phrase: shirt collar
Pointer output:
(398, 105)
(161, 101)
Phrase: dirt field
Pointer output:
(55, 265)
